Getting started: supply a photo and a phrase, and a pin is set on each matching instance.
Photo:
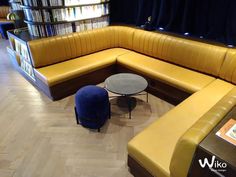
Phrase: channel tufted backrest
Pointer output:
(4, 10)
(195, 55)
(56, 49)
(123, 36)
(228, 69)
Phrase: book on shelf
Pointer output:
(16, 6)
(27, 68)
(22, 50)
(82, 2)
(24, 53)
(44, 22)
(66, 14)
(17, 46)
(33, 15)
(66, 28)
(33, 2)
(15, 1)
(228, 131)
(48, 3)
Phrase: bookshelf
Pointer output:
(16, 5)
(46, 18)
(16, 8)
(19, 53)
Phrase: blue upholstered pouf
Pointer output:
(92, 107)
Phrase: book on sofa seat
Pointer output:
(228, 131)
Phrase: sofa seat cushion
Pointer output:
(70, 69)
(179, 77)
(154, 146)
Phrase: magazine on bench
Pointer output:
(228, 131)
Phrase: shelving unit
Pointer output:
(16, 7)
(64, 16)
(44, 19)
(19, 53)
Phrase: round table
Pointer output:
(126, 84)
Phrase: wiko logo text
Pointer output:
(213, 164)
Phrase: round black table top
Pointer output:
(126, 84)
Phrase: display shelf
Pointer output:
(22, 35)
(19, 13)
(63, 22)
(46, 18)
(12, 1)
(18, 44)
(27, 69)
(16, 5)
(50, 18)
(63, 6)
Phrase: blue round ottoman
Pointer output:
(92, 107)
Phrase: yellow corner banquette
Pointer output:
(199, 77)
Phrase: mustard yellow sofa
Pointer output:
(4, 11)
(198, 77)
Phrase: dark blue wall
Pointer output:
(3, 2)
(209, 19)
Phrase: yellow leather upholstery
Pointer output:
(191, 54)
(123, 36)
(154, 146)
(228, 69)
(3, 20)
(4, 10)
(56, 49)
(187, 144)
(171, 74)
(166, 147)
(70, 69)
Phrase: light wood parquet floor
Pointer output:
(40, 138)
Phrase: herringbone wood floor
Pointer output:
(40, 138)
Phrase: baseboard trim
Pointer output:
(136, 169)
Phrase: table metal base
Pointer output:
(129, 101)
